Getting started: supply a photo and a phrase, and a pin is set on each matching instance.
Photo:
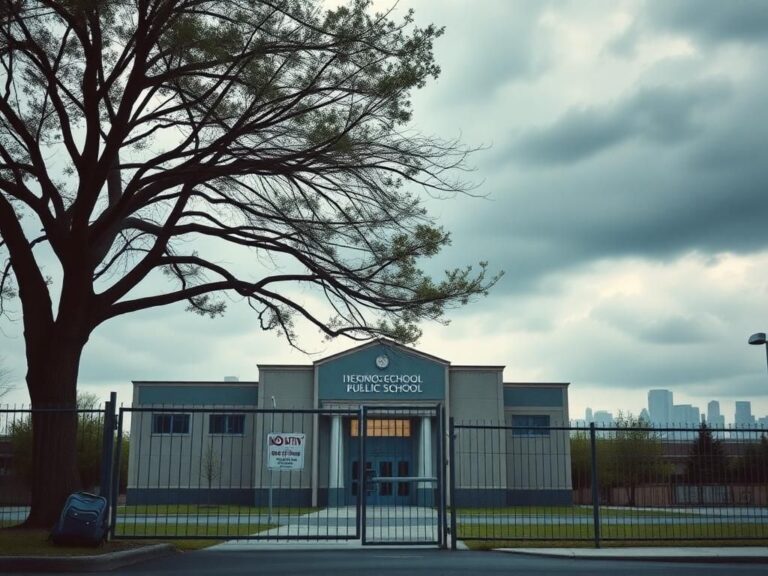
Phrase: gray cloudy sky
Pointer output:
(625, 175)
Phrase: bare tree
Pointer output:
(210, 468)
(5, 377)
(139, 138)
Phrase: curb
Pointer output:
(96, 563)
(711, 558)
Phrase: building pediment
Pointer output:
(381, 370)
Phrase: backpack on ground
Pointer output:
(83, 520)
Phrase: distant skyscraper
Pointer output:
(743, 416)
(660, 407)
(588, 415)
(713, 412)
(714, 418)
(603, 418)
(644, 417)
(685, 415)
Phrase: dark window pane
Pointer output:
(356, 470)
(226, 423)
(385, 469)
(236, 423)
(170, 423)
(530, 425)
(216, 423)
(180, 423)
(403, 488)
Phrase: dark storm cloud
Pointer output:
(732, 20)
(641, 208)
(671, 329)
(666, 171)
(661, 114)
(676, 329)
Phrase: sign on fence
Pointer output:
(286, 451)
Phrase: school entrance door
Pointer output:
(399, 485)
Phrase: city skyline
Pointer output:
(662, 410)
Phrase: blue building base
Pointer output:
(286, 497)
(200, 496)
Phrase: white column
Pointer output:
(337, 454)
(425, 451)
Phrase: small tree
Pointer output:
(752, 467)
(89, 443)
(581, 465)
(631, 456)
(125, 451)
(210, 467)
(706, 462)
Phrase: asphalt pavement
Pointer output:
(404, 562)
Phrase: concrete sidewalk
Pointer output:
(93, 563)
(751, 554)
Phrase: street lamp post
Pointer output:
(758, 339)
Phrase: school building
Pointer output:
(222, 442)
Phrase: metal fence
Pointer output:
(602, 484)
(271, 474)
(380, 473)
(16, 453)
(225, 472)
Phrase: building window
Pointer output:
(399, 428)
(226, 423)
(530, 425)
(170, 423)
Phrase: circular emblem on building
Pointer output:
(382, 361)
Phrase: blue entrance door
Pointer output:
(383, 488)
(387, 459)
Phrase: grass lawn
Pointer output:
(580, 511)
(162, 531)
(206, 510)
(631, 535)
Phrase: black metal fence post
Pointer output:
(452, 478)
(361, 472)
(363, 482)
(595, 485)
(440, 489)
(115, 463)
(107, 447)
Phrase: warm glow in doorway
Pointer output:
(381, 427)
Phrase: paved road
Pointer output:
(413, 562)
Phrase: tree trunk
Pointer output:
(52, 380)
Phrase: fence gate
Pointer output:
(397, 473)
(360, 473)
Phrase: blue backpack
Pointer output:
(83, 520)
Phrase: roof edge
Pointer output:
(537, 384)
(385, 342)
(197, 382)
